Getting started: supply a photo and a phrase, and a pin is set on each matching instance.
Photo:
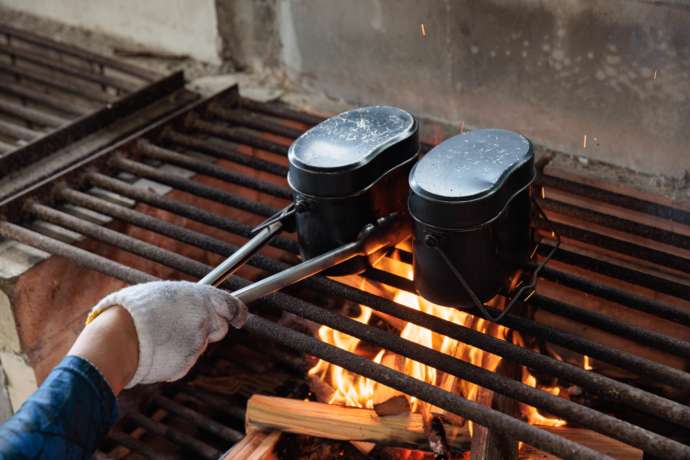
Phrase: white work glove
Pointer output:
(175, 321)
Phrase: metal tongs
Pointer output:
(263, 233)
(373, 240)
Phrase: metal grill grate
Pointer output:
(52, 94)
(236, 149)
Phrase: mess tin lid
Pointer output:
(345, 154)
(467, 180)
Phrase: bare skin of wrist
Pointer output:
(110, 343)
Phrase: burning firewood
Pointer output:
(266, 413)
(321, 390)
(437, 439)
(394, 406)
(492, 444)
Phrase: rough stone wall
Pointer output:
(615, 71)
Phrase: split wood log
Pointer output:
(591, 439)
(492, 444)
(257, 445)
(265, 413)
(321, 390)
(394, 406)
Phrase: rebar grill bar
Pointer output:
(229, 143)
(46, 86)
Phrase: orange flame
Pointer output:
(356, 391)
(586, 363)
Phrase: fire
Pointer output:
(533, 415)
(586, 363)
(356, 391)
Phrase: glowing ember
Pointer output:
(423, 30)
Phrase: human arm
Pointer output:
(142, 334)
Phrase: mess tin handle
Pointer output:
(262, 235)
(385, 232)
(432, 243)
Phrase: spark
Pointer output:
(529, 296)
(584, 142)
(423, 30)
(653, 78)
(531, 256)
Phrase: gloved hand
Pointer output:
(174, 321)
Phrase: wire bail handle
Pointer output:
(433, 242)
(285, 216)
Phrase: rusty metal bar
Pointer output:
(617, 245)
(620, 272)
(81, 256)
(617, 199)
(212, 170)
(236, 135)
(182, 183)
(79, 53)
(72, 109)
(224, 405)
(638, 302)
(183, 209)
(18, 132)
(49, 80)
(608, 388)
(35, 58)
(281, 111)
(252, 120)
(199, 420)
(177, 437)
(137, 446)
(617, 223)
(5, 147)
(150, 103)
(222, 152)
(31, 115)
(614, 326)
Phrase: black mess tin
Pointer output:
(348, 171)
(469, 198)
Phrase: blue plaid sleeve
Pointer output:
(64, 419)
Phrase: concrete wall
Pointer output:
(177, 26)
(249, 33)
(613, 70)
